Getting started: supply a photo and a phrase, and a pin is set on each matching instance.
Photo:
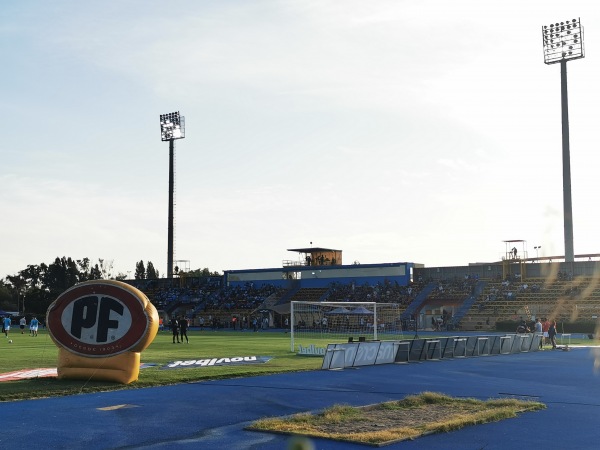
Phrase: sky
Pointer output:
(396, 131)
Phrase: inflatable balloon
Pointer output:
(100, 328)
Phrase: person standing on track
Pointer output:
(183, 327)
(545, 328)
(552, 333)
(539, 332)
(175, 329)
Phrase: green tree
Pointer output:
(61, 275)
(6, 297)
(95, 273)
(83, 266)
(151, 272)
(203, 273)
(19, 288)
(35, 287)
(37, 302)
(140, 271)
(106, 266)
(33, 276)
(98, 271)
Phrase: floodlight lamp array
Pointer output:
(563, 41)
(172, 126)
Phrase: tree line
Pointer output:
(33, 289)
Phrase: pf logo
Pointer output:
(94, 313)
(101, 319)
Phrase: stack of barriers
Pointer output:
(356, 354)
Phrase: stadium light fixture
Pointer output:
(563, 41)
(172, 126)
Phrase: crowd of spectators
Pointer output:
(241, 297)
(382, 292)
(456, 288)
(512, 287)
(214, 302)
(163, 295)
(241, 322)
(211, 306)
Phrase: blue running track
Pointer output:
(212, 415)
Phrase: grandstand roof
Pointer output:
(312, 249)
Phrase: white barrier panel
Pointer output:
(366, 354)
(335, 358)
(353, 355)
(356, 354)
(387, 352)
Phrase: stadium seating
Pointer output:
(561, 298)
(568, 300)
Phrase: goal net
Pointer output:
(316, 324)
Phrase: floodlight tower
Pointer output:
(563, 42)
(172, 126)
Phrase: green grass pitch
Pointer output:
(28, 352)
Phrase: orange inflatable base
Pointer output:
(123, 368)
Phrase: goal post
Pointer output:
(317, 324)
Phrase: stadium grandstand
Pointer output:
(478, 297)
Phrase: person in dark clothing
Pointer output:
(175, 329)
(183, 327)
(523, 328)
(552, 333)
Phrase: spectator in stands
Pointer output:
(439, 323)
(175, 329)
(183, 327)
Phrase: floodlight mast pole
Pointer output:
(171, 208)
(566, 161)
(172, 126)
(562, 42)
